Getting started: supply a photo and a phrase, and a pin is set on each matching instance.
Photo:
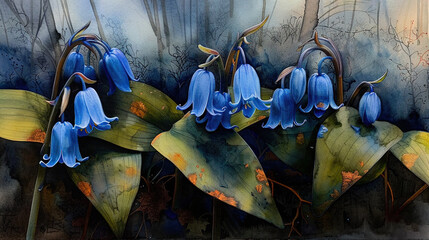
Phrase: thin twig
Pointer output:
(290, 189)
(390, 190)
(409, 200)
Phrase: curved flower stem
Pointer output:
(242, 54)
(389, 187)
(363, 84)
(35, 203)
(301, 201)
(319, 67)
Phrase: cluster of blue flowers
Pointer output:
(88, 110)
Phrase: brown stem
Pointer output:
(290, 189)
(390, 190)
(386, 203)
(87, 217)
(414, 196)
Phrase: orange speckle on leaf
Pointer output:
(260, 175)
(201, 175)
(130, 171)
(349, 179)
(193, 178)
(178, 160)
(267, 184)
(365, 171)
(203, 170)
(85, 188)
(300, 138)
(259, 188)
(37, 136)
(138, 108)
(163, 107)
(247, 165)
(408, 159)
(361, 163)
(261, 117)
(219, 195)
(198, 166)
(335, 194)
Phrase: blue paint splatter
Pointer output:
(322, 130)
(356, 129)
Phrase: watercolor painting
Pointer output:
(208, 119)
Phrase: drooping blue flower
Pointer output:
(220, 102)
(320, 93)
(247, 91)
(283, 110)
(64, 147)
(369, 107)
(89, 113)
(74, 63)
(200, 94)
(115, 67)
(298, 84)
(89, 72)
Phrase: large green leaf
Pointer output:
(221, 164)
(241, 121)
(344, 155)
(110, 180)
(24, 115)
(413, 151)
(143, 114)
(293, 146)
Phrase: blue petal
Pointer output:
(82, 117)
(321, 94)
(298, 84)
(213, 123)
(311, 92)
(331, 99)
(76, 146)
(116, 72)
(190, 92)
(124, 62)
(202, 120)
(56, 138)
(372, 107)
(201, 92)
(258, 104)
(95, 110)
(248, 110)
(287, 109)
(356, 129)
(275, 112)
(68, 145)
(318, 113)
(248, 82)
(321, 131)
(89, 72)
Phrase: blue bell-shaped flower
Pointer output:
(369, 107)
(220, 102)
(200, 93)
(89, 113)
(64, 147)
(320, 93)
(89, 72)
(115, 67)
(247, 91)
(298, 84)
(283, 110)
(74, 63)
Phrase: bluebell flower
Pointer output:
(200, 94)
(369, 107)
(298, 84)
(89, 113)
(320, 93)
(247, 91)
(64, 147)
(220, 102)
(89, 72)
(74, 63)
(283, 110)
(115, 67)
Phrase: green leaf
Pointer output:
(343, 155)
(413, 152)
(143, 114)
(293, 146)
(24, 115)
(220, 164)
(110, 180)
(241, 121)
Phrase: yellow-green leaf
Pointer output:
(24, 115)
(143, 114)
(110, 180)
(220, 164)
(413, 152)
(344, 155)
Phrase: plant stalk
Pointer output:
(35, 204)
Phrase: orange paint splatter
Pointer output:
(85, 188)
(300, 138)
(130, 171)
(408, 159)
(163, 107)
(219, 195)
(260, 175)
(138, 108)
(203, 170)
(267, 184)
(201, 175)
(198, 166)
(365, 171)
(349, 179)
(193, 178)
(247, 165)
(37, 136)
(178, 160)
(259, 188)
(361, 163)
(335, 194)
(261, 117)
